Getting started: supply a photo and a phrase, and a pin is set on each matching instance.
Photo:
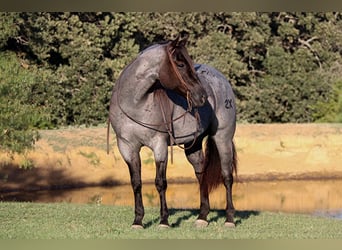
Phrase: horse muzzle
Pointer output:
(198, 98)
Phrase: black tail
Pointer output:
(212, 175)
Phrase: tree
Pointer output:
(82, 54)
(18, 117)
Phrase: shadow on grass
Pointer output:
(186, 214)
(239, 215)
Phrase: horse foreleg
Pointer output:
(196, 158)
(161, 155)
(132, 158)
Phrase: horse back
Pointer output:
(221, 95)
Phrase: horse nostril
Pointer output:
(204, 98)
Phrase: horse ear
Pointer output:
(184, 40)
(175, 42)
(180, 42)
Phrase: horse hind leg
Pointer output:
(196, 158)
(131, 156)
(228, 166)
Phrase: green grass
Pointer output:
(92, 158)
(72, 221)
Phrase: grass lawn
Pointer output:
(72, 221)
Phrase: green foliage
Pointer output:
(92, 157)
(282, 65)
(77, 52)
(8, 27)
(208, 50)
(19, 118)
(292, 88)
(330, 109)
(337, 111)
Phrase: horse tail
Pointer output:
(212, 174)
(108, 126)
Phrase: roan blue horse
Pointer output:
(162, 99)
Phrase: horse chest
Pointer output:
(189, 127)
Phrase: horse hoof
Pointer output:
(229, 224)
(201, 223)
(163, 226)
(137, 226)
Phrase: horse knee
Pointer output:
(136, 185)
(160, 180)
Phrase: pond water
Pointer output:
(320, 197)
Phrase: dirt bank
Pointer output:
(77, 157)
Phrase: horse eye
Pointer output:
(180, 65)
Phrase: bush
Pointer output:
(19, 117)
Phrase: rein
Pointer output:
(151, 125)
(166, 123)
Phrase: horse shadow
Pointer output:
(182, 215)
(240, 215)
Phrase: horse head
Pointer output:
(177, 73)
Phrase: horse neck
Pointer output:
(138, 77)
